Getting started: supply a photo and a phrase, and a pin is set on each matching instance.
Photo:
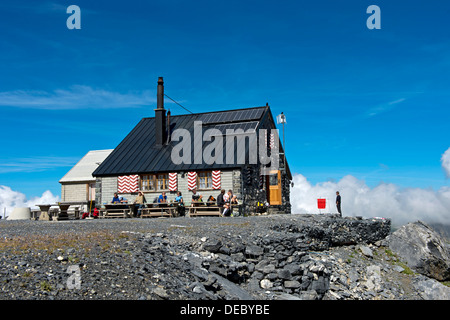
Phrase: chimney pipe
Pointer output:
(160, 115)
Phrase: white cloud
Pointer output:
(445, 161)
(384, 107)
(11, 199)
(35, 164)
(402, 205)
(76, 97)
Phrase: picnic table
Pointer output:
(118, 210)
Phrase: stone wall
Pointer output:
(74, 192)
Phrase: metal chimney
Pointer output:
(160, 115)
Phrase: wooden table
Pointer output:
(120, 210)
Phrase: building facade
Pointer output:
(209, 151)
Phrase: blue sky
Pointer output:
(374, 104)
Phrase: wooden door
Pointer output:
(275, 187)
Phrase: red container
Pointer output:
(321, 203)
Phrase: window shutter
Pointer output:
(173, 181)
(216, 179)
(272, 141)
(192, 180)
(128, 184)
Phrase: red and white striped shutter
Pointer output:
(134, 183)
(192, 180)
(173, 181)
(128, 184)
(122, 184)
(272, 141)
(216, 179)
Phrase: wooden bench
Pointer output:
(204, 211)
(157, 212)
(117, 211)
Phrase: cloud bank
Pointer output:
(387, 200)
(10, 199)
(76, 97)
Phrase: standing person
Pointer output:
(139, 203)
(338, 203)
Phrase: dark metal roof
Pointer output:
(138, 153)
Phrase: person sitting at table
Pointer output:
(162, 198)
(123, 200)
(115, 199)
(196, 197)
(139, 203)
(226, 196)
(233, 202)
(226, 210)
(180, 204)
(95, 213)
(179, 198)
(211, 201)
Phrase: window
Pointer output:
(163, 181)
(155, 182)
(204, 180)
(273, 179)
(147, 183)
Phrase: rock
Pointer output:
(309, 295)
(430, 289)
(253, 251)
(286, 296)
(292, 284)
(284, 274)
(398, 269)
(160, 292)
(374, 282)
(265, 266)
(366, 251)
(212, 245)
(266, 284)
(423, 249)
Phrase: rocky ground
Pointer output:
(313, 257)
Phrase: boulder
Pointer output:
(430, 289)
(422, 249)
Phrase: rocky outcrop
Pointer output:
(422, 249)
